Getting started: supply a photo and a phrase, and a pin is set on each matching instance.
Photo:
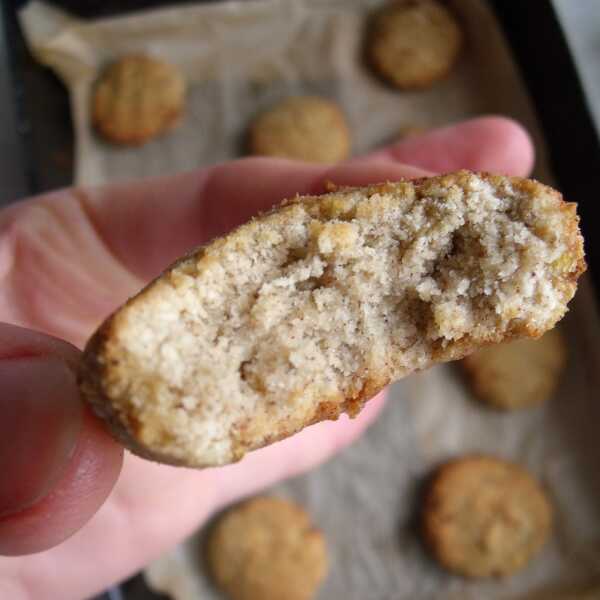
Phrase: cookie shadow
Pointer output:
(410, 534)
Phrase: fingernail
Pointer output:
(40, 421)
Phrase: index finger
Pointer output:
(70, 257)
(148, 224)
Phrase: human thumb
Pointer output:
(50, 445)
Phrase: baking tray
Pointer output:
(540, 51)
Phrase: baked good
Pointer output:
(303, 128)
(485, 517)
(306, 312)
(137, 98)
(517, 374)
(267, 549)
(413, 43)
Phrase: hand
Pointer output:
(67, 259)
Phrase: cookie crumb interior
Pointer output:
(307, 312)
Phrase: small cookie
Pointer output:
(413, 43)
(517, 374)
(485, 517)
(306, 312)
(267, 549)
(137, 98)
(303, 128)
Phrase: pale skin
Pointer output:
(76, 513)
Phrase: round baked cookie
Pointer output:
(517, 374)
(485, 517)
(303, 128)
(137, 98)
(413, 43)
(267, 549)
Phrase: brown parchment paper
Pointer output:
(239, 58)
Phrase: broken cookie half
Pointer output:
(308, 311)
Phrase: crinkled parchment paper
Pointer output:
(240, 57)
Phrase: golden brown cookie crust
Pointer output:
(302, 128)
(413, 43)
(518, 374)
(267, 549)
(137, 98)
(485, 517)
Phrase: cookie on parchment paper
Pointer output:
(137, 98)
(518, 374)
(413, 43)
(267, 549)
(303, 128)
(485, 517)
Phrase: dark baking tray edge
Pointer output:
(551, 78)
